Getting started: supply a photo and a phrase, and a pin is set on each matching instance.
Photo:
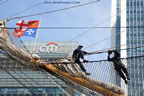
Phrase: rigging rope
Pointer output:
(24, 45)
(94, 52)
(120, 58)
(72, 84)
(54, 62)
(49, 77)
(25, 9)
(3, 2)
(85, 91)
(55, 82)
(70, 8)
(32, 79)
(75, 27)
(16, 79)
(103, 40)
(106, 50)
(66, 9)
(55, 10)
(23, 77)
(78, 87)
(93, 27)
(96, 68)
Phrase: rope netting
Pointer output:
(16, 75)
(133, 65)
(103, 73)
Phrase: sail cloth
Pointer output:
(65, 68)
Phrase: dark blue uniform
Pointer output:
(77, 54)
(118, 65)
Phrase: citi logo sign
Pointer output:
(51, 47)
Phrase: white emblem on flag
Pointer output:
(30, 31)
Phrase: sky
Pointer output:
(84, 16)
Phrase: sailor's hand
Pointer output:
(85, 61)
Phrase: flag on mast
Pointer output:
(26, 28)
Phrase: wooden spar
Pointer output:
(25, 58)
(80, 81)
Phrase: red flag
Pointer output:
(24, 26)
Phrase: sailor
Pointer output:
(114, 57)
(79, 54)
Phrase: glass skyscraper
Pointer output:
(128, 32)
(17, 80)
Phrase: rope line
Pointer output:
(90, 45)
(55, 10)
(103, 40)
(26, 78)
(21, 41)
(120, 58)
(92, 28)
(77, 87)
(106, 50)
(24, 45)
(25, 9)
(50, 12)
(70, 27)
(31, 80)
(70, 8)
(112, 48)
(59, 86)
(17, 79)
(48, 76)
(85, 91)
(107, 70)
(23, 77)
(53, 62)
(3, 2)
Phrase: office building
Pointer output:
(128, 20)
(18, 80)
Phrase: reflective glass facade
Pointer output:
(118, 30)
(134, 39)
(23, 81)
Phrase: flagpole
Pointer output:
(36, 36)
